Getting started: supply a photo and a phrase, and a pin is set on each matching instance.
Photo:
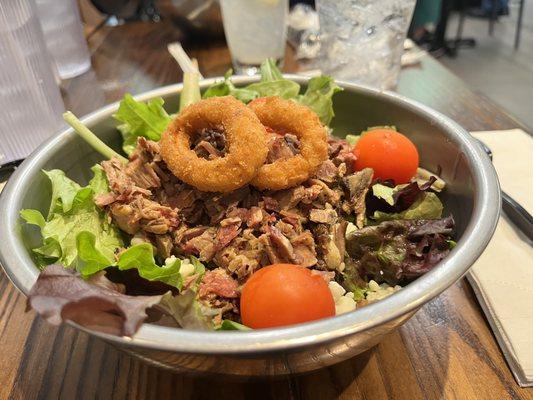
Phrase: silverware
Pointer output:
(520, 217)
(7, 169)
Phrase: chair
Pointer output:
(494, 17)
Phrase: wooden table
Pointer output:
(445, 351)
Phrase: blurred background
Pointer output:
(482, 41)
(82, 54)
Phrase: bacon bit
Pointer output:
(218, 282)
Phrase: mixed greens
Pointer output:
(403, 234)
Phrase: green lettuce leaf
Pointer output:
(49, 252)
(188, 312)
(91, 260)
(270, 71)
(72, 212)
(227, 88)
(141, 257)
(140, 119)
(229, 325)
(318, 96)
(99, 183)
(359, 293)
(273, 83)
(371, 128)
(352, 139)
(384, 192)
(63, 191)
(283, 88)
(33, 217)
(428, 206)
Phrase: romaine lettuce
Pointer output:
(72, 211)
(140, 119)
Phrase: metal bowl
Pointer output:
(472, 195)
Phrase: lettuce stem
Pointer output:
(91, 138)
(191, 89)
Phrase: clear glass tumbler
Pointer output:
(255, 30)
(362, 40)
(30, 101)
(63, 33)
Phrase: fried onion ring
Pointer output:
(290, 117)
(246, 141)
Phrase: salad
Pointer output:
(241, 211)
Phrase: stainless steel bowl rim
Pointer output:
(22, 271)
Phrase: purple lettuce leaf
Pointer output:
(61, 294)
(398, 251)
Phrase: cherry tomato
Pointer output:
(284, 294)
(389, 153)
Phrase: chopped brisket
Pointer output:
(357, 186)
(217, 282)
(326, 216)
(282, 147)
(239, 232)
(327, 172)
(209, 144)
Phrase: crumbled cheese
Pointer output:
(344, 305)
(377, 292)
(337, 291)
(186, 269)
(170, 260)
(373, 285)
(344, 302)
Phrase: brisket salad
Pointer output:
(241, 211)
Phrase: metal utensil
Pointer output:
(473, 196)
(520, 217)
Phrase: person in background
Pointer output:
(425, 18)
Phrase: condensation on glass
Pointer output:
(362, 40)
(30, 101)
(63, 34)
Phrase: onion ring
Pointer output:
(290, 117)
(246, 142)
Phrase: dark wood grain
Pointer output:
(445, 351)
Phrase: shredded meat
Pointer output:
(237, 233)
(217, 282)
(282, 147)
(210, 144)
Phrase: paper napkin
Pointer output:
(502, 278)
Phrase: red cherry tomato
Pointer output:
(389, 153)
(284, 294)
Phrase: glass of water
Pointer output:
(362, 40)
(30, 101)
(63, 34)
(255, 30)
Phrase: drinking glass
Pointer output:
(255, 30)
(30, 101)
(362, 40)
(63, 34)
